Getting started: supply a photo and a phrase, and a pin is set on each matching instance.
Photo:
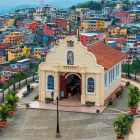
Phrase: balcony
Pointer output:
(71, 68)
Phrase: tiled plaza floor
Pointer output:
(34, 124)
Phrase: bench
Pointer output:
(31, 88)
(25, 93)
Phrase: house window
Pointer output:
(117, 71)
(70, 57)
(50, 82)
(90, 84)
(105, 81)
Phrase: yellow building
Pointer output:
(81, 9)
(119, 5)
(35, 14)
(79, 74)
(113, 30)
(14, 54)
(10, 22)
(123, 31)
(84, 24)
(25, 50)
(2, 59)
(37, 53)
(100, 24)
(131, 35)
(133, 16)
(81, 31)
(68, 26)
(3, 28)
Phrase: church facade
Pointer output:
(93, 73)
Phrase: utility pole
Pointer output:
(78, 19)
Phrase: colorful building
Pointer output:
(89, 24)
(88, 38)
(112, 43)
(25, 50)
(61, 23)
(113, 30)
(13, 54)
(100, 24)
(2, 59)
(33, 26)
(10, 22)
(126, 20)
(121, 14)
(19, 23)
(13, 38)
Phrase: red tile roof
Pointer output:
(14, 70)
(106, 55)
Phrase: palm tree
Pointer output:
(11, 101)
(122, 126)
(4, 112)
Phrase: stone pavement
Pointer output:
(32, 124)
(136, 123)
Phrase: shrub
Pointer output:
(49, 99)
(91, 103)
(127, 83)
(110, 103)
(119, 93)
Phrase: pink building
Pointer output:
(101, 37)
(128, 59)
(126, 20)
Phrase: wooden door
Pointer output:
(63, 86)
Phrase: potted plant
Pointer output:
(122, 126)
(110, 102)
(48, 100)
(133, 99)
(13, 93)
(4, 114)
(132, 103)
(12, 102)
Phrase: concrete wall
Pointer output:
(22, 83)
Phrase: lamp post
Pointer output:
(62, 94)
(128, 66)
(57, 128)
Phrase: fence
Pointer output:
(131, 76)
(17, 86)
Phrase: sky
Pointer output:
(13, 3)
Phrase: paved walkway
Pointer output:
(84, 109)
(136, 123)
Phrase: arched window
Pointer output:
(70, 57)
(50, 82)
(90, 85)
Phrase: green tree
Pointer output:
(1, 85)
(44, 15)
(12, 61)
(72, 7)
(102, 2)
(113, 22)
(23, 57)
(126, 2)
(125, 8)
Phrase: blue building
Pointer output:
(112, 43)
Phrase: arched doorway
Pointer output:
(70, 83)
(73, 86)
